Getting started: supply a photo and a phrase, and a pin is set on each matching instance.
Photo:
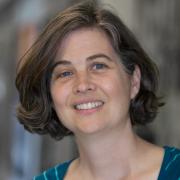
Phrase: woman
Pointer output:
(86, 75)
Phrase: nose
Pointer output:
(83, 84)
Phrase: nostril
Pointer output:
(84, 87)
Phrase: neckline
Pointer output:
(65, 168)
(160, 171)
(163, 162)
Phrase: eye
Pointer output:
(65, 74)
(99, 66)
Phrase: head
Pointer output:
(35, 110)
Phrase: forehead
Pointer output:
(85, 42)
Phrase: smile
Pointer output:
(89, 105)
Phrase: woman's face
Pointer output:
(90, 89)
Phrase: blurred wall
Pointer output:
(158, 27)
(7, 64)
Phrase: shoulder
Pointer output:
(57, 172)
(171, 163)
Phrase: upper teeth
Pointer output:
(89, 105)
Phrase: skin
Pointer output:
(88, 70)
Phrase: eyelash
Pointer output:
(64, 74)
(97, 64)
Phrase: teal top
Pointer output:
(170, 168)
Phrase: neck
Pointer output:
(116, 150)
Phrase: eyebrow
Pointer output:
(61, 62)
(90, 58)
(100, 55)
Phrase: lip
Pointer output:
(87, 111)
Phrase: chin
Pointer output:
(90, 127)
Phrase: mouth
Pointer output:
(88, 105)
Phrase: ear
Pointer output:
(135, 82)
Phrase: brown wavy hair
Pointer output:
(35, 110)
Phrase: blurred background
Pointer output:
(156, 25)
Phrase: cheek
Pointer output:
(59, 96)
(115, 86)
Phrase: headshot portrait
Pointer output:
(88, 77)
